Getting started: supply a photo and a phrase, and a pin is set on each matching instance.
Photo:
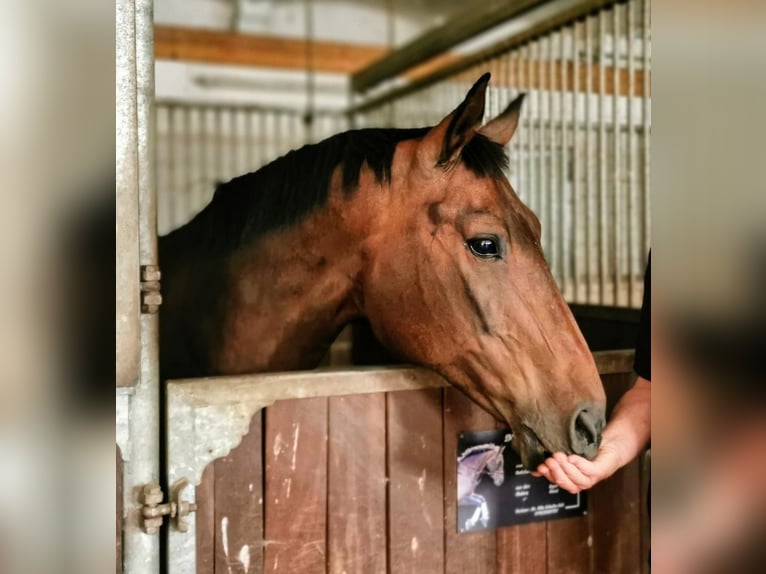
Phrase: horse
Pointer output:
(472, 465)
(417, 230)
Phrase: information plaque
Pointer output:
(494, 490)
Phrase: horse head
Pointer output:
(456, 280)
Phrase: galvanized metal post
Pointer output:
(140, 446)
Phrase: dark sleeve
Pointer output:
(643, 361)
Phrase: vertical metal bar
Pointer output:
(218, 140)
(262, 149)
(516, 85)
(141, 550)
(200, 182)
(617, 219)
(172, 190)
(630, 164)
(588, 159)
(250, 141)
(563, 158)
(552, 223)
(540, 188)
(646, 121)
(127, 233)
(530, 190)
(603, 201)
(188, 167)
(577, 168)
(234, 168)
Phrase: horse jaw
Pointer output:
(528, 447)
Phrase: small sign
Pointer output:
(494, 490)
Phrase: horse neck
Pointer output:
(282, 299)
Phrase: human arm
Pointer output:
(624, 437)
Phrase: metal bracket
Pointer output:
(154, 511)
(151, 299)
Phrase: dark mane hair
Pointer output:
(286, 190)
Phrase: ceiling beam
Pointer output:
(220, 47)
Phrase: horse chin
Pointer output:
(529, 447)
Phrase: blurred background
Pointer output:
(237, 83)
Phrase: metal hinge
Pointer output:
(154, 510)
(151, 299)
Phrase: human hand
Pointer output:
(574, 473)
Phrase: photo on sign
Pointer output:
(494, 490)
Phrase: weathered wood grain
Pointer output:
(205, 521)
(416, 482)
(239, 505)
(522, 549)
(356, 505)
(473, 552)
(295, 489)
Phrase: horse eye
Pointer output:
(484, 247)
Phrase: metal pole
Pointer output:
(603, 246)
(563, 165)
(135, 58)
(646, 111)
(630, 164)
(617, 217)
(588, 160)
(577, 165)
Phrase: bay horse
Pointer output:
(472, 465)
(419, 231)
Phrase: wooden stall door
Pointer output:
(366, 484)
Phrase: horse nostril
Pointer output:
(587, 424)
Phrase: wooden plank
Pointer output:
(522, 549)
(205, 521)
(222, 47)
(295, 490)
(416, 482)
(239, 505)
(615, 522)
(473, 552)
(356, 485)
(570, 549)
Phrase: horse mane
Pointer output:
(283, 192)
(474, 449)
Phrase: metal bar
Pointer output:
(463, 26)
(533, 31)
(588, 158)
(165, 101)
(563, 166)
(127, 296)
(617, 218)
(646, 112)
(603, 246)
(530, 192)
(250, 141)
(172, 191)
(630, 165)
(233, 144)
(201, 183)
(552, 154)
(540, 188)
(188, 167)
(141, 550)
(576, 216)
(218, 172)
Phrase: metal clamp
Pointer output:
(154, 510)
(151, 299)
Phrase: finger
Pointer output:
(582, 480)
(597, 469)
(559, 477)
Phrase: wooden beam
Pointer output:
(471, 22)
(218, 47)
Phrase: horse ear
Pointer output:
(501, 129)
(443, 143)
